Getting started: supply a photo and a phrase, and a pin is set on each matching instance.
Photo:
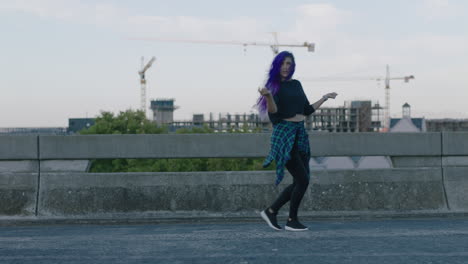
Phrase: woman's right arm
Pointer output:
(271, 105)
(317, 104)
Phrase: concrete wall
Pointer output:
(375, 144)
(153, 146)
(233, 145)
(78, 194)
(18, 193)
(431, 173)
(455, 169)
(18, 147)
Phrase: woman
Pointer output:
(287, 106)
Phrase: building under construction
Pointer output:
(354, 116)
(446, 124)
(226, 122)
(163, 111)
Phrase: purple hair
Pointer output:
(274, 79)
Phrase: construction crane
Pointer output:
(143, 82)
(387, 95)
(387, 80)
(274, 46)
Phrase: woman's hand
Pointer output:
(271, 105)
(264, 91)
(330, 95)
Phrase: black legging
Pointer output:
(294, 192)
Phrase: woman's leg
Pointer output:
(284, 197)
(298, 170)
(297, 189)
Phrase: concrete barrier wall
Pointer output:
(455, 143)
(18, 193)
(431, 174)
(154, 146)
(233, 145)
(375, 144)
(455, 169)
(18, 175)
(352, 190)
(413, 162)
(222, 145)
(18, 147)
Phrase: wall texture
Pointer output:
(45, 176)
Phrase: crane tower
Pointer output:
(387, 94)
(144, 68)
(387, 79)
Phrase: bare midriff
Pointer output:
(296, 118)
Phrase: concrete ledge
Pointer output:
(74, 194)
(375, 144)
(18, 147)
(233, 145)
(460, 161)
(154, 146)
(18, 193)
(455, 143)
(19, 166)
(412, 162)
(65, 165)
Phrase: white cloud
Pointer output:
(449, 46)
(338, 51)
(319, 22)
(196, 28)
(439, 9)
(54, 9)
(320, 16)
(125, 22)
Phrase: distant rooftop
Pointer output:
(34, 131)
(418, 122)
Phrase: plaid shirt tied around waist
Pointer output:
(282, 141)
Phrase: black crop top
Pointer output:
(290, 100)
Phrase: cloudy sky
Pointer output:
(65, 59)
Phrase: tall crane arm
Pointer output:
(142, 72)
(310, 46)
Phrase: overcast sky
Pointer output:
(65, 59)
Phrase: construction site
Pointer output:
(354, 116)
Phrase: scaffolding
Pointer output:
(355, 116)
(446, 124)
(227, 122)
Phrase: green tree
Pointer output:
(195, 130)
(135, 122)
(128, 122)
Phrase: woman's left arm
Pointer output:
(317, 104)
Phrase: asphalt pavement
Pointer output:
(379, 241)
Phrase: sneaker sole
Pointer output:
(294, 229)
(265, 217)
